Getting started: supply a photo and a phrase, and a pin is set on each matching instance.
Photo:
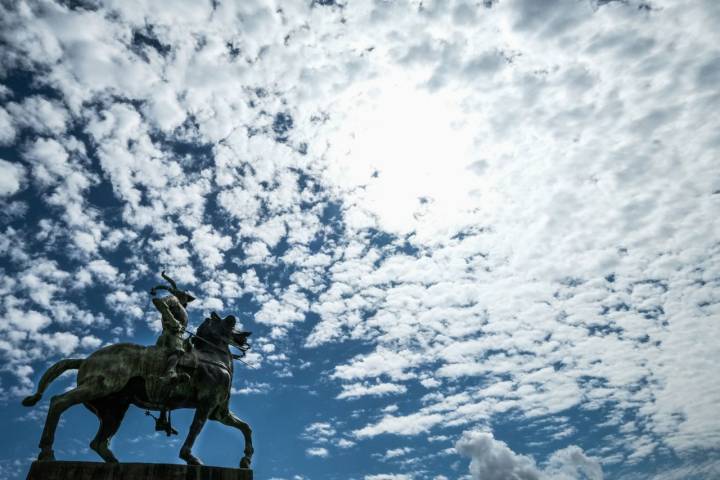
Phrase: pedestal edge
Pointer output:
(78, 470)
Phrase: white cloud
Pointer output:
(317, 452)
(7, 129)
(164, 110)
(63, 343)
(407, 425)
(319, 431)
(571, 462)
(345, 443)
(271, 231)
(430, 382)
(700, 469)
(252, 388)
(41, 115)
(49, 161)
(30, 320)
(397, 452)
(382, 361)
(492, 459)
(210, 245)
(283, 312)
(104, 271)
(90, 342)
(388, 476)
(12, 177)
(256, 253)
(132, 304)
(357, 390)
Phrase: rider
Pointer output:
(174, 322)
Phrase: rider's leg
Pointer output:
(161, 423)
(171, 365)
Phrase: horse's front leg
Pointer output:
(226, 417)
(201, 416)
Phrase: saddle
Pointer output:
(189, 360)
(158, 390)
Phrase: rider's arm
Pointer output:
(169, 322)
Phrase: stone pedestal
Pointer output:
(132, 471)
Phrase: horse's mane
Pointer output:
(204, 331)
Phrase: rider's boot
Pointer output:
(171, 375)
(161, 424)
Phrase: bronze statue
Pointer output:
(116, 376)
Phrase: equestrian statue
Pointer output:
(175, 373)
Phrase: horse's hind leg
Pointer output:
(110, 413)
(58, 404)
(226, 417)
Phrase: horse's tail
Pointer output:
(51, 374)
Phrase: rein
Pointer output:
(217, 364)
(235, 357)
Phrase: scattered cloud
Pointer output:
(397, 452)
(317, 452)
(357, 390)
(319, 432)
(252, 388)
(466, 214)
(13, 176)
(388, 476)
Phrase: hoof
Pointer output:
(104, 452)
(31, 400)
(245, 462)
(46, 456)
(189, 458)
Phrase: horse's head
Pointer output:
(221, 331)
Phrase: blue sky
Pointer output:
(473, 240)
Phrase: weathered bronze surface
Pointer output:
(132, 471)
(173, 374)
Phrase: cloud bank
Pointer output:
(492, 460)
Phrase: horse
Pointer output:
(116, 376)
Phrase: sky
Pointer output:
(472, 239)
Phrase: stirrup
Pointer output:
(162, 423)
